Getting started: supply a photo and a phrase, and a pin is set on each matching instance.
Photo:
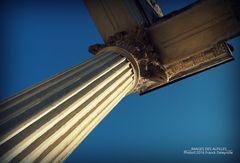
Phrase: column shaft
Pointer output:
(47, 122)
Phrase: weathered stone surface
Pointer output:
(138, 44)
(154, 73)
(181, 43)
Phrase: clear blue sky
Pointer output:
(42, 38)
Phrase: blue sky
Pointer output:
(42, 38)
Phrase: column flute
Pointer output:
(46, 123)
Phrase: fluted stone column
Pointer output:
(48, 121)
